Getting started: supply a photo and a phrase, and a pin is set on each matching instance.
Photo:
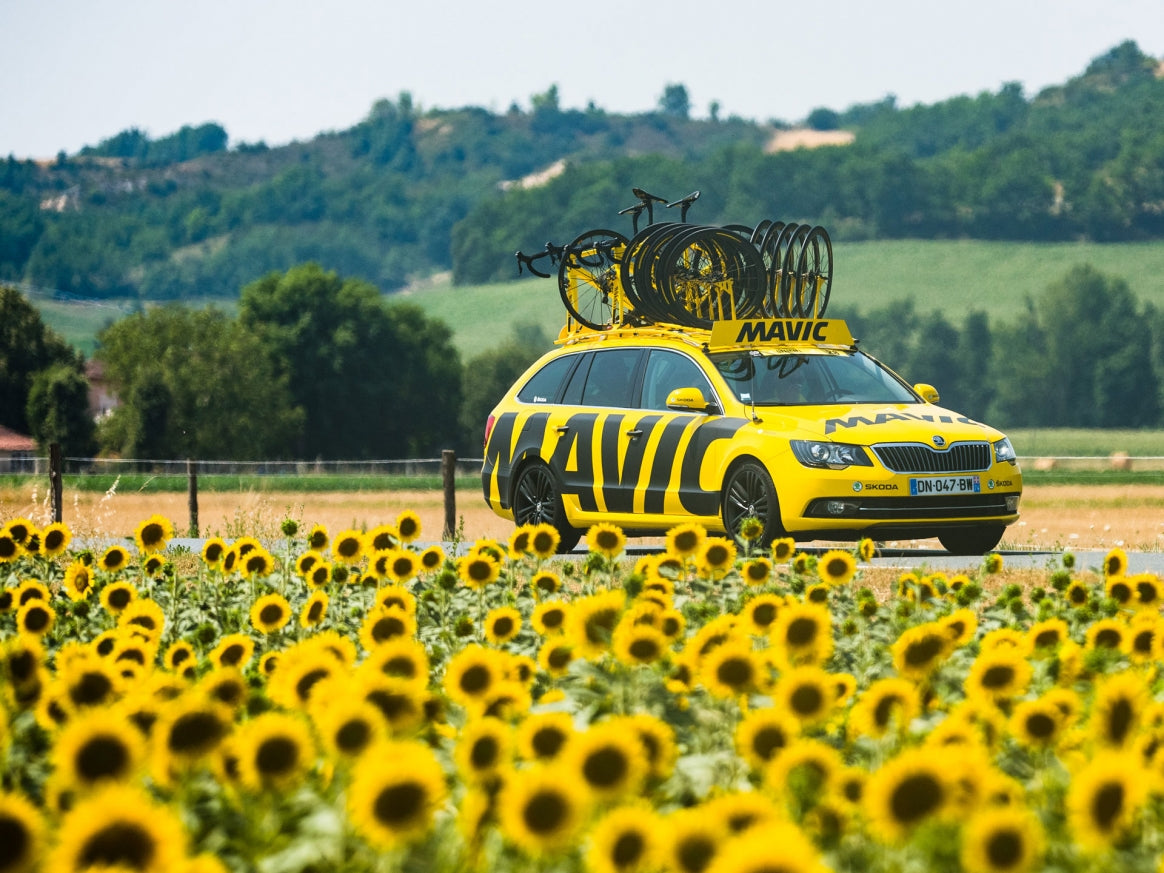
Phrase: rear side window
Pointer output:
(611, 380)
(543, 385)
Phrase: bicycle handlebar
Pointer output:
(553, 252)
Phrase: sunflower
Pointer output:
(886, 705)
(113, 559)
(686, 540)
(691, 840)
(543, 736)
(550, 617)
(317, 538)
(270, 612)
(257, 563)
(1037, 724)
(502, 624)
(716, 557)
(803, 634)
(225, 685)
(591, 621)
(1115, 563)
(555, 656)
(393, 798)
(348, 726)
(908, 790)
(297, 672)
(213, 551)
(54, 539)
(21, 530)
(188, 730)
(119, 827)
(143, 616)
(757, 571)
(741, 811)
(99, 748)
(783, 550)
(116, 596)
(997, 675)
(404, 658)
(382, 624)
(1002, 841)
(432, 558)
(836, 567)
(348, 547)
(35, 618)
(672, 623)
(921, 649)
(179, 655)
(274, 751)
(639, 644)
(545, 583)
(1104, 799)
(732, 669)
(607, 540)
(153, 534)
(478, 570)
(606, 760)
(484, 748)
(1077, 593)
(753, 851)
(1044, 637)
(319, 575)
(1117, 709)
(314, 610)
(305, 562)
(544, 540)
(471, 673)
(9, 547)
(233, 650)
(961, 625)
(624, 840)
(540, 812)
(23, 827)
(1107, 633)
(1119, 589)
(656, 739)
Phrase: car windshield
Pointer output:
(810, 379)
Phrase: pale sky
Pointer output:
(75, 72)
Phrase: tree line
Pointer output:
(318, 366)
(410, 191)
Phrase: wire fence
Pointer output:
(408, 467)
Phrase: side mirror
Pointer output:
(928, 392)
(687, 399)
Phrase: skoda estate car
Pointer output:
(782, 420)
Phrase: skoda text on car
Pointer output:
(781, 420)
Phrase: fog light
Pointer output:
(1012, 503)
(835, 507)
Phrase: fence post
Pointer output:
(449, 477)
(56, 480)
(192, 495)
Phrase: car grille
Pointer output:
(920, 458)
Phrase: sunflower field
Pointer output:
(357, 701)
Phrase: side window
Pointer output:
(573, 394)
(611, 380)
(667, 371)
(543, 385)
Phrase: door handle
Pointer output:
(563, 428)
(634, 434)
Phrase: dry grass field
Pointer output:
(1053, 517)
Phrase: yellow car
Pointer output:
(781, 420)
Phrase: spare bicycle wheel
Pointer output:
(813, 279)
(711, 274)
(588, 279)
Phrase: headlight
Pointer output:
(832, 456)
(1004, 451)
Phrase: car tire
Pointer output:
(748, 492)
(972, 540)
(537, 499)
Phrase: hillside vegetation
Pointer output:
(409, 191)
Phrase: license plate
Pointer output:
(944, 485)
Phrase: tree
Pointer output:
(58, 410)
(675, 101)
(373, 380)
(27, 346)
(194, 384)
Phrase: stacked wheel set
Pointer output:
(694, 275)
